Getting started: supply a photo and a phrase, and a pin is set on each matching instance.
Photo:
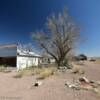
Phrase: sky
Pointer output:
(18, 18)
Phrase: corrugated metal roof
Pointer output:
(13, 49)
(27, 50)
(8, 46)
(26, 53)
(8, 50)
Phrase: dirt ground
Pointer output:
(53, 88)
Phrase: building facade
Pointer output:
(18, 56)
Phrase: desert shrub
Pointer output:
(75, 71)
(78, 70)
(4, 69)
(26, 72)
(42, 72)
(29, 71)
(46, 72)
(37, 70)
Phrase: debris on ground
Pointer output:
(84, 80)
(38, 83)
(62, 69)
(79, 71)
(93, 81)
(84, 84)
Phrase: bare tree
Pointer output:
(59, 38)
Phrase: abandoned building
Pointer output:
(21, 56)
(15, 56)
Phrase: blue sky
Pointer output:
(18, 18)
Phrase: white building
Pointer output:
(18, 56)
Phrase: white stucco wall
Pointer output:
(52, 60)
(23, 62)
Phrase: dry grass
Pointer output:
(46, 72)
(4, 69)
(41, 72)
(26, 72)
(37, 70)
(77, 69)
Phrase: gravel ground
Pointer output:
(53, 88)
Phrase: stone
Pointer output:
(72, 85)
(36, 84)
(95, 83)
(86, 86)
(84, 79)
(81, 71)
(92, 81)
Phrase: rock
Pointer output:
(92, 81)
(95, 83)
(81, 71)
(84, 80)
(86, 86)
(72, 85)
(37, 83)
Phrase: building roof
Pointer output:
(27, 50)
(13, 49)
(28, 54)
(8, 46)
(8, 50)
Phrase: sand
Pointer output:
(53, 88)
